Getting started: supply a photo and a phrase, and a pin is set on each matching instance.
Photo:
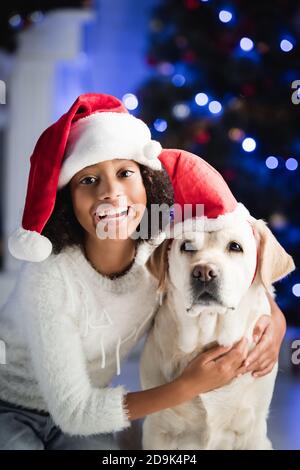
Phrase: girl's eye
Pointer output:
(126, 173)
(91, 179)
(86, 180)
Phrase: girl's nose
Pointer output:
(110, 189)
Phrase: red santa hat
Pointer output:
(202, 198)
(96, 128)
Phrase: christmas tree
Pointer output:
(224, 86)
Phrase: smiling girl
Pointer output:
(84, 298)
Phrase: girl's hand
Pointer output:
(213, 369)
(268, 334)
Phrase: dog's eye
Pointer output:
(234, 246)
(186, 246)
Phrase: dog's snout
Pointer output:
(205, 272)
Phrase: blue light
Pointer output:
(291, 164)
(286, 45)
(181, 111)
(130, 101)
(272, 163)
(225, 16)
(160, 125)
(249, 144)
(201, 99)
(296, 290)
(165, 68)
(15, 21)
(215, 107)
(178, 80)
(246, 44)
(36, 16)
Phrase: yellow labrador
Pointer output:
(211, 296)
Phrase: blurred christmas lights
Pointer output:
(246, 44)
(160, 125)
(215, 107)
(201, 99)
(178, 80)
(130, 101)
(249, 144)
(286, 45)
(225, 16)
(291, 164)
(181, 111)
(271, 163)
(296, 290)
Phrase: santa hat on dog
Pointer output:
(96, 128)
(202, 198)
(195, 182)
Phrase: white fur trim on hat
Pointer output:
(29, 246)
(152, 149)
(205, 224)
(105, 136)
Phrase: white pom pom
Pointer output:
(152, 149)
(29, 245)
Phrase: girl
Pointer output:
(77, 312)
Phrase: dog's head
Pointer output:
(215, 269)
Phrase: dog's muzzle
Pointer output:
(205, 280)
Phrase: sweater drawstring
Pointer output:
(118, 355)
(103, 355)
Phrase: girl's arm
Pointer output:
(268, 333)
(208, 371)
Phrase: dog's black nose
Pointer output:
(205, 272)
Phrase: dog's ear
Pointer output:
(273, 261)
(158, 265)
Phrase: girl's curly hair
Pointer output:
(63, 228)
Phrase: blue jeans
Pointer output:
(24, 429)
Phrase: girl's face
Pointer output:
(109, 196)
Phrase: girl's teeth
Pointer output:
(113, 216)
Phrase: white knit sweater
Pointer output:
(66, 327)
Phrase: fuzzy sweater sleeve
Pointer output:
(76, 406)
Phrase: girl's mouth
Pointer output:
(116, 215)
